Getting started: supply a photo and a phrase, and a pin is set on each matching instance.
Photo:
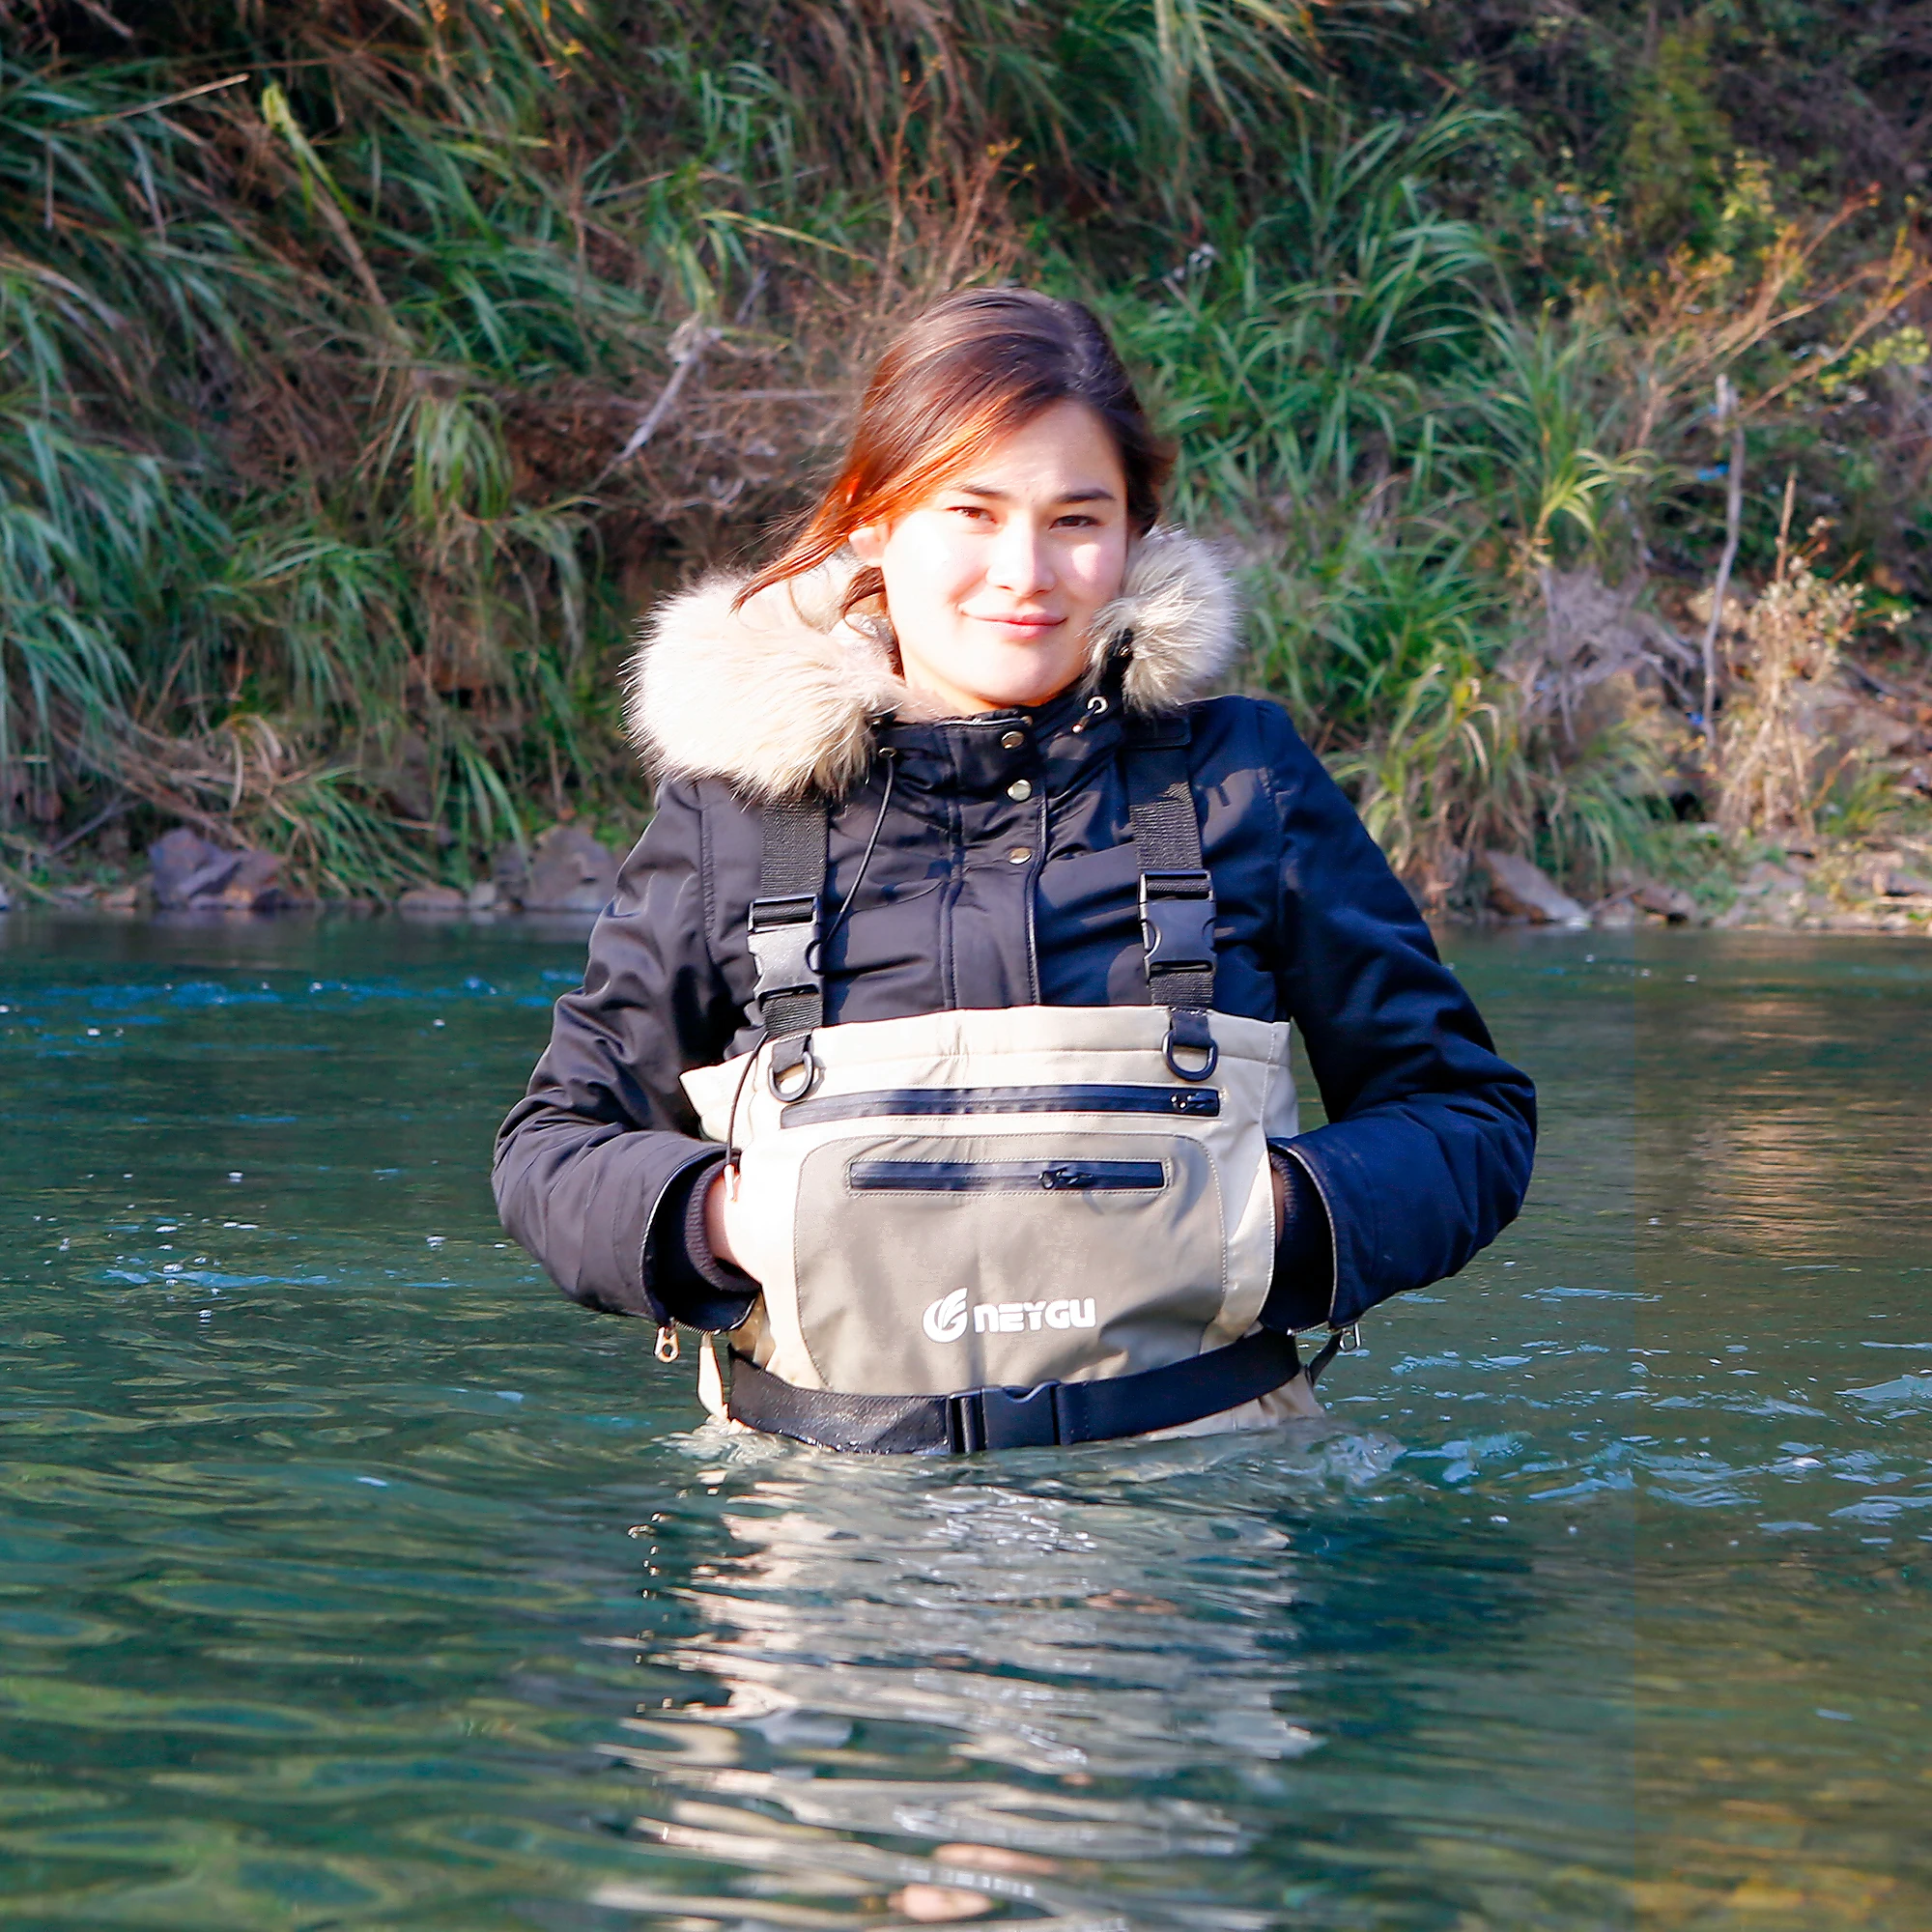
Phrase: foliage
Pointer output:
(1769, 751)
(367, 365)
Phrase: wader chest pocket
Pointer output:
(938, 1261)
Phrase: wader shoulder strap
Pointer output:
(785, 927)
(1177, 902)
(1177, 890)
(1012, 1418)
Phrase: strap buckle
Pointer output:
(1178, 920)
(784, 937)
(1002, 1418)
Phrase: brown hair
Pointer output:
(975, 367)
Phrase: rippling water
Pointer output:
(349, 1577)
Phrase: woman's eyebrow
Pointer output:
(1093, 493)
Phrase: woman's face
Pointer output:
(992, 583)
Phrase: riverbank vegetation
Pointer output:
(1561, 382)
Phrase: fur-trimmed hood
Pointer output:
(785, 695)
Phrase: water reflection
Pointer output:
(1079, 1686)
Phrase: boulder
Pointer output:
(406, 777)
(1765, 877)
(1526, 891)
(510, 873)
(569, 871)
(186, 867)
(484, 896)
(1899, 883)
(255, 883)
(431, 903)
(190, 871)
(1672, 902)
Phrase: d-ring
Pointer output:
(781, 1078)
(1180, 1073)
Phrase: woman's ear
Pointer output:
(867, 543)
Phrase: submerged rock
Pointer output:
(569, 871)
(432, 902)
(1527, 891)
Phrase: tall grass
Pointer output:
(364, 366)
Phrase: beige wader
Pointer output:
(1008, 1227)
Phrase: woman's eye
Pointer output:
(1076, 521)
(970, 510)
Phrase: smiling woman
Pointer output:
(993, 585)
(1001, 468)
(934, 1052)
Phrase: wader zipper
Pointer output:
(1003, 1177)
(909, 1102)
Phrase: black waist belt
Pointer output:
(1012, 1418)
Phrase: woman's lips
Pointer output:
(1033, 625)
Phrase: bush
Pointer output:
(365, 367)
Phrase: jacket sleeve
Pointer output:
(595, 1168)
(1427, 1152)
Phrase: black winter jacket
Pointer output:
(1004, 874)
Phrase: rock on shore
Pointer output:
(191, 872)
(1523, 891)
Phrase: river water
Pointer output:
(350, 1577)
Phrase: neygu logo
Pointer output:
(946, 1317)
(945, 1320)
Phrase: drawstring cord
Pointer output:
(731, 1148)
(891, 758)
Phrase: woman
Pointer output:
(934, 1047)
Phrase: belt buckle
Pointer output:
(1002, 1418)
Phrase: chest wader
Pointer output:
(1010, 1226)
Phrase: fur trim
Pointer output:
(782, 696)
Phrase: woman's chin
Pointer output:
(1022, 686)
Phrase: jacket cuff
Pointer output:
(681, 1273)
(1302, 1292)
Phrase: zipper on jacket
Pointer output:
(1176, 1102)
(1003, 1177)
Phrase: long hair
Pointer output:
(972, 369)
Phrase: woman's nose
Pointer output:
(1019, 565)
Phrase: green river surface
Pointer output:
(349, 1576)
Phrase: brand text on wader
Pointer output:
(945, 1320)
